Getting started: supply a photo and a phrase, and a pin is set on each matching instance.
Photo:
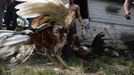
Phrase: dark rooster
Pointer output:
(98, 44)
(87, 52)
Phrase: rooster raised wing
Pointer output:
(55, 9)
(48, 30)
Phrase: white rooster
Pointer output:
(48, 30)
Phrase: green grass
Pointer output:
(101, 66)
(111, 66)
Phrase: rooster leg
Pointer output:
(63, 64)
(49, 56)
(57, 53)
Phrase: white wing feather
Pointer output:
(34, 8)
(55, 1)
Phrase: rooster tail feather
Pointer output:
(14, 45)
(24, 53)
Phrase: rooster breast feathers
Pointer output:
(34, 8)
